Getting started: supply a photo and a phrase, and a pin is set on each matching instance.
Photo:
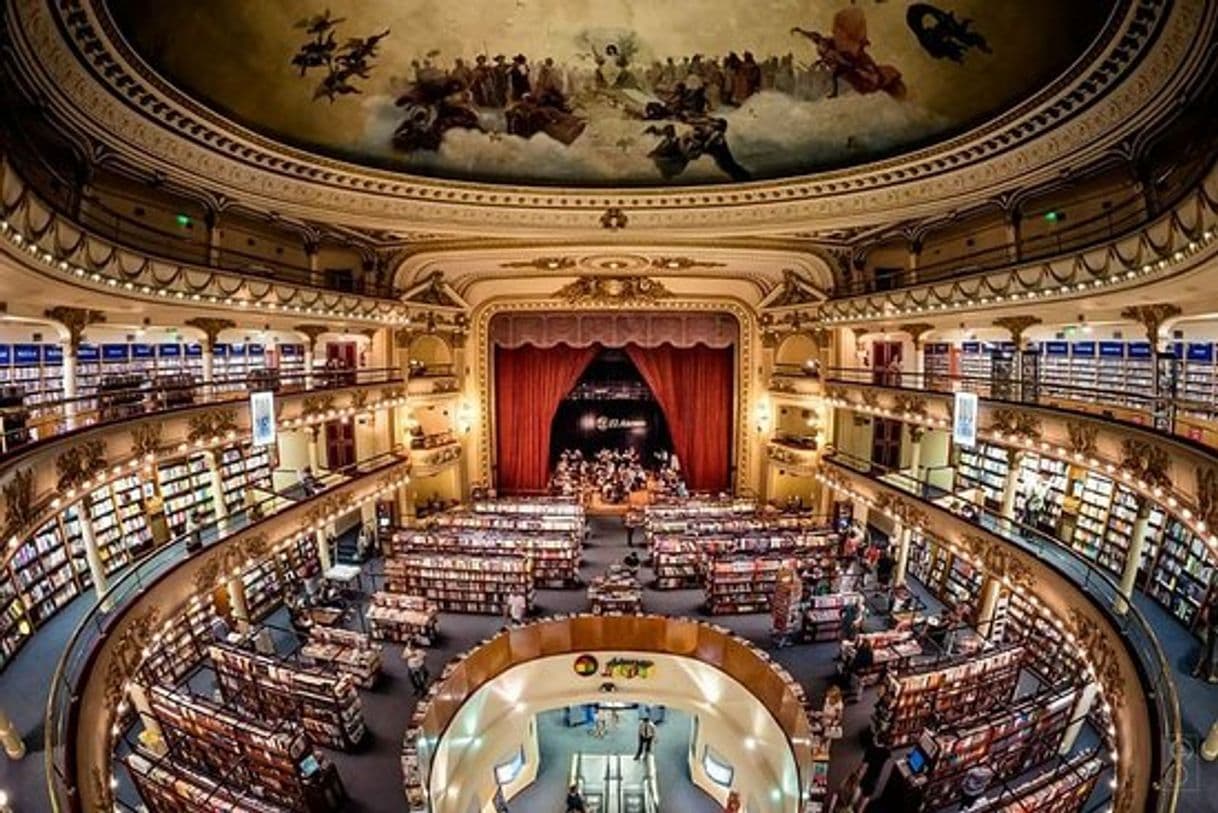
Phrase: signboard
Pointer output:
(626, 668)
(964, 420)
(262, 417)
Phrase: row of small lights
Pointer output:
(196, 602)
(890, 310)
(92, 276)
(1039, 607)
(1156, 493)
(146, 463)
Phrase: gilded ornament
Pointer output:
(1016, 422)
(1083, 437)
(75, 320)
(146, 438)
(213, 423)
(1017, 325)
(18, 502)
(1101, 653)
(612, 290)
(211, 328)
(80, 462)
(1147, 462)
(998, 560)
(1207, 494)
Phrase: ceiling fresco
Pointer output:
(602, 93)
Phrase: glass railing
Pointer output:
(1184, 417)
(73, 665)
(47, 421)
(1139, 637)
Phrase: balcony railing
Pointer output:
(1123, 615)
(49, 420)
(1187, 418)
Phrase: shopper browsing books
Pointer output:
(416, 668)
(647, 738)
(516, 607)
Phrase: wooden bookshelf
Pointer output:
(345, 651)
(1064, 788)
(555, 556)
(326, 704)
(618, 591)
(401, 618)
(461, 583)
(944, 693)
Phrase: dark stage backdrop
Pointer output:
(693, 387)
(610, 408)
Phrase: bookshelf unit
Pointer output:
(1050, 478)
(555, 556)
(242, 468)
(1181, 578)
(262, 756)
(1090, 495)
(944, 693)
(461, 583)
(347, 652)
(15, 628)
(1065, 788)
(1049, 655)
(529, 506)
(976, 361)
(745, 585)
(325, 703)
(186, 487)
(183, 646)
(985, 467)
(823, 616)
(1118, 537)
(451, 521)
(1010, 741)
(42, 571)
(617, 591)
(264, 587)
(401, 618)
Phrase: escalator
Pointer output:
(616, 783)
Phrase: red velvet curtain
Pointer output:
(530, 382)
(694, 388)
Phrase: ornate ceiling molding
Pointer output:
(118, 101)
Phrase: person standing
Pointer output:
(1206, 669)
(973, 786)
(516, 607)
(416, 668)
(647, 737)
(575, 800)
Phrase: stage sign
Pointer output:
(964, 420)
(262, 417)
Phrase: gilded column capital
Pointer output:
(312, 333)
(75, 320)
(1152, 317)
(211, 327)
(1017, 326)
(916, 331)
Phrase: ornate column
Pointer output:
(1010, 487)
(916, 434)
(313, 253)
(97, 568)
(238, 601)
(1137, 544)
(217, 487)
(1015, 234)
(991, 592)
(215, 236)
(314, 456)
(916, 331)
(904, 539)
(1078, 715)
(10, 738)
(75, 320)
(1152, 317)
(211, 328)
(324, 554)
(913, 259)
(311, 333)
(1017, 326)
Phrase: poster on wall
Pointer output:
(262, 417)
(964, 421)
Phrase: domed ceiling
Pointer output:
(601, 93)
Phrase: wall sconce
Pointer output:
(465, 417)
(762, 415)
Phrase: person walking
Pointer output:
(416, 668)
(973, 786)
(647, 737)
(575, 800)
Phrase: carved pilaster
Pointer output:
(75, 320)
(1017, 326)
(916, 331)
(311, 332)
(211, 328)
(1152, 317)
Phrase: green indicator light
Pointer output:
(183, 221)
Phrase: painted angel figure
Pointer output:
(844, 55)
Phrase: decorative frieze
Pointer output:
(612, 290)
(80, 462)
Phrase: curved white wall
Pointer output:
(496, 721)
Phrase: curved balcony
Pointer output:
(103, 652)
(1173, 243)
(1026, 559)
(59, 247)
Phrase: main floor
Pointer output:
(371, 775)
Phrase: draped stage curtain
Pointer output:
(694, 388)
(530, 382)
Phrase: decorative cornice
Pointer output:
(612, 291)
